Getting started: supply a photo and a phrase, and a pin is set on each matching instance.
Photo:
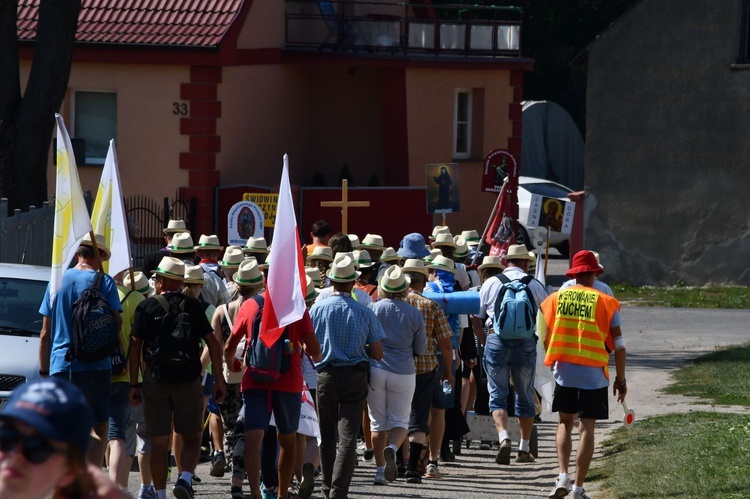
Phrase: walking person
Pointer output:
(167, 327)
(583, 327)
(349, 335)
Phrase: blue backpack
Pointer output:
(267, 364)
(96, 334)
(515, 310)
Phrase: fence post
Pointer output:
(167, 212)
(3, 220)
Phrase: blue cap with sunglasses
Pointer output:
(55, 408)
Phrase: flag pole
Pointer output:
(489, 220)
(132, 278)
(546, 254)
(95, 245)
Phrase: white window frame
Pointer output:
(72, 125)
(462, 154)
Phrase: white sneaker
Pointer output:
(581, 494)
(380, 479)
(562, 487)
(391, 470)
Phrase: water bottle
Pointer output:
(447, 388)
(288, 346)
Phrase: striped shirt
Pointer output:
(437, 328)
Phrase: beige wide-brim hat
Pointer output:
(350, 254)
(394, 280)
(314, 274)
(193, 274)
(324, 253)
(342, 269)
(174, 226)
(472, 237)
(491, 262)
(433, 253)
(171, 268)
(462, 249)
(362, 259)
(519, 252)
(414, 265)
(442, 263)
(249, 274)
(182, 242)
(354, 238)
(444, 240)
(439, 229)
(256, 245)
(372, 241)
(311, 293)
(389, 255)
(141, 282)
(233, 257)
(209, 243)
(104, 252)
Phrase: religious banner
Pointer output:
(442, 188)
(555, 214)
(267, 203)
(245, 220)
(498, 164)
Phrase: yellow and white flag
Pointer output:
(108, 216)
(71, 216)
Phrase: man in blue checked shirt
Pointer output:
(349, 335)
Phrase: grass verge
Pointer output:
(694, 455)
(683, 296)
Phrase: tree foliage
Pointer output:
(27, 119)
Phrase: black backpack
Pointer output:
(174, 353)
(95, 334)
(265, 364)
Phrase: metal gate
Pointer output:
(149, 217)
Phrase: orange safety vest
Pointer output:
(578, 319)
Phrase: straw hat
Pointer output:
(256, 245)
(462, 249)
(394, 280)
(442, 263)
(472, 237)
(193, 274)
(171, 268)
(432, 255)
(209, 243)
(311, 293)
(233, 257)
(372, 241)
(597, 259)
(519, 252)
(182, 242)
(491, 262)
(104, 252)
(362, 259)
(584, 261)
(354, 238)
(350, 254)
(174, 226)
(415, 265)
(141, 283)
(389, 255)
(342, 269)
(249, 274)
(321, 253)
(439, 229)
(444, 239)
(314, 274)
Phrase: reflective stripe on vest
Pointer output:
(578, 319)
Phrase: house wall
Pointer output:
(265, 25)
(430, 108)
(666, 147)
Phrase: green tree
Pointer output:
(27, 120)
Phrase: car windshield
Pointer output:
(547, 189)
(19, 306)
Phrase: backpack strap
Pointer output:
(98, 280)
(163, 302)
(126, 297)
(504, 279)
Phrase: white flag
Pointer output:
(108, 216)
(71, 216)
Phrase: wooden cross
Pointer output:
(344, 204)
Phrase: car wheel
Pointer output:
(522, 237)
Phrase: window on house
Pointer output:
(95, 121)
(462, 124)
(744, 49)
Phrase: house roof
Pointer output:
(167, 23)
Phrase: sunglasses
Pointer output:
(34, 448)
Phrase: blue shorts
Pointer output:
(286, 410)
(503, 359)
(439, 399)
(208, 386)
(96, 387)
(119, 411)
